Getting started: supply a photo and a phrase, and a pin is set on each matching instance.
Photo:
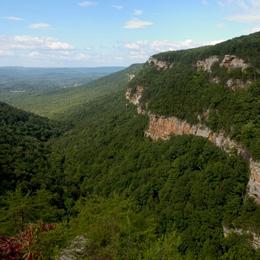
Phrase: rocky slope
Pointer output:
(161, 127)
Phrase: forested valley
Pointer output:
(86, 183)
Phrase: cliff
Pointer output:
(159, 64)
(161, 127)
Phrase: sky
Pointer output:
(71, 33)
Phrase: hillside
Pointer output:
(24, 166)
(145, 199)
(217, 86)
(155, 168)
(23, 79)
(53, 101)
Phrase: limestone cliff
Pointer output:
(232, 62)
(130, 77)
(160, 65)
(229, 62)
(136, 96)
(234, 84)
(207, 64)
(163, 128)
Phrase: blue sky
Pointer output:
(71, 33)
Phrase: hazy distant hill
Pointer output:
(53, 101)
(24, 79)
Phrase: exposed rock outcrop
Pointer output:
(76, 250)
(235, 84)
(207, 64)
(163, 128)
(216, 80)
(254, 238)
(233, 62)
(130, 77)
(229, 62)
(159, 64)
(135, 98)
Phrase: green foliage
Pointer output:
(246, 47)
(106, 153)
(187, 93)
(130, 197)
(57, 102)
(113, 228)
(23, 148)
(19, 209)
(23, 79)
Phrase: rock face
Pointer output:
(229, 62)
(235, 84)
(163, 128)
(130, 77)
(254, 182)
(136, 96)
(76, 249)
(160, 65)
(232, 62)
(254, 238)
(207, 64)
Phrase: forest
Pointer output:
(187, 93)
(89, 175)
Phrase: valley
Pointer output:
(156, 161)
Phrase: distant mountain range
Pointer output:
(23, 78)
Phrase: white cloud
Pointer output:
(137, 24)
(137, 12)
(40, 26)
(27, 42)
(159, 46)
(13, 18)
(118, 7)
(204, 2)
(87, 4)
(142, 50)
(255, 29)
(29, 50)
